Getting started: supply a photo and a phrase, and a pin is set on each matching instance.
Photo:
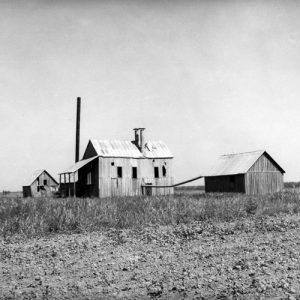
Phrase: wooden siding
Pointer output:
(263, 182)
(106, 183)
(27, 191)
(263, 177)
(38, 189)
(111, 185)
(221, 184)
(89, 151)
(263, 164)
(83, 188)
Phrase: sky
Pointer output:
(206, 77)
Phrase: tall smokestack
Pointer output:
(77, 130)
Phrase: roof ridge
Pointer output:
(241, 153)
(118, 140)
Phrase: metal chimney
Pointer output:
(142, 139)
(138, 138)
(77, 130)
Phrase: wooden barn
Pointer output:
(120, 168)
(250, 172)
(40, 184)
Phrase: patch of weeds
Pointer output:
(251, 206)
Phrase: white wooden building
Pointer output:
(120, 168)
(40, 183)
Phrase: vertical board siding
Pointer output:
(262, 178)
(89, 151)
(223, 184)
(263, 164)
(83, 189)
(263, 182)
(32, 190)
(110, 185)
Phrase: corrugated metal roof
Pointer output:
(156, 149)
(78, 165)
(116, 148)
(152, 149)
(231, 164)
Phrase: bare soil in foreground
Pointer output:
(253, 258)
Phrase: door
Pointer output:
(116, 187)
(148, 189)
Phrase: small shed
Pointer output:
(251, 173)
(112, 168)
(41, 183)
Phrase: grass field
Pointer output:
(39, 216)
(194, 246)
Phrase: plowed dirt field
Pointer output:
(248, 259)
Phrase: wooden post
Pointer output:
(65, 185)
(69, 185)
(60, 185)
(74, 184)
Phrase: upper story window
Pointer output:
(156, 172)
(119, 172)
(134, 172)
(164, 171)
(45, 182)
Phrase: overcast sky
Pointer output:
(206, 77)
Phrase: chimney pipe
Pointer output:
(136, 137)
(142, 142)
(77, 130)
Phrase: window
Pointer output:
(156, 172)
(112, 163)
(119, 172)
(164, 171)
(40, 188)
(89, 178)
(134, 172)
(45, 182)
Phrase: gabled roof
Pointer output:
(152, 149)
(35, 175)
(124, 149)
(240, 163)
(78, 165)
